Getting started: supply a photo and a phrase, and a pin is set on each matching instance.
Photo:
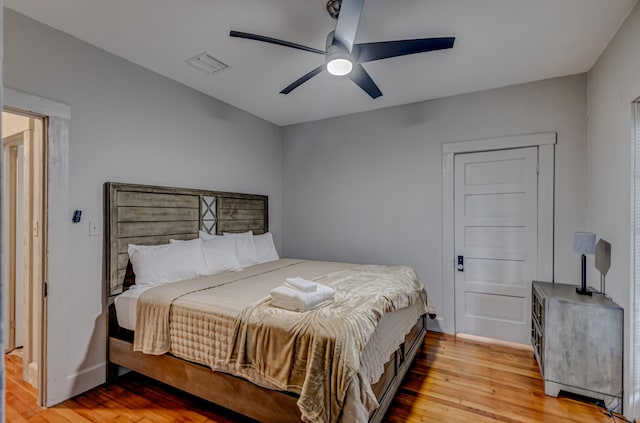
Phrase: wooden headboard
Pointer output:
(152, 215)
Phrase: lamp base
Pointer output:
(585, 291)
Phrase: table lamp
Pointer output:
(584, 243)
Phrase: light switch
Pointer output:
(94, 229)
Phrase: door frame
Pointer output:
(631, 401)
(546, 165)
(10, 146)
(57, 121)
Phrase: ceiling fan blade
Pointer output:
(368, 52)
(347, 26)
(364, 81)
(302, 80)
(264, 39)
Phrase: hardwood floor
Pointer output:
(451, 380)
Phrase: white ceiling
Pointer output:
(498, 43)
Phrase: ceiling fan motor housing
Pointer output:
(338, 60)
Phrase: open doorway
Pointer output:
(24, 224)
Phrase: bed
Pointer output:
(149, 215)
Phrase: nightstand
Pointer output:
(577, 341)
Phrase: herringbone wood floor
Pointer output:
(451, 380)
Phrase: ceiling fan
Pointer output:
(343, 57)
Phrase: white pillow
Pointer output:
(265, 250)
(220, 255)
(206, 235)
(158, 264)
(245, 248)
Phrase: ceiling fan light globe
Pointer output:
(339, 66)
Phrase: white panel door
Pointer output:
(496, 203)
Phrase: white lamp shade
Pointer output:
(584, 243)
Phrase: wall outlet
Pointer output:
(94, 228)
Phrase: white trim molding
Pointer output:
(546, 161)
(502, 143)
(632, 382)
(38, 105)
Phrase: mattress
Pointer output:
(126, 306)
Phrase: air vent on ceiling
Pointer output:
(206, 62)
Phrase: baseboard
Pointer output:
(494, 341)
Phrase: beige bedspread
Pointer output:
(320, 361)
(317, 354)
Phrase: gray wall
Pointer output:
(367, 188)
(613, 84)
(127, 125)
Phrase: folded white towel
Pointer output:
(296, 307)
(300, 284)
(292, 299)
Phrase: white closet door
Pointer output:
(496, 242)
